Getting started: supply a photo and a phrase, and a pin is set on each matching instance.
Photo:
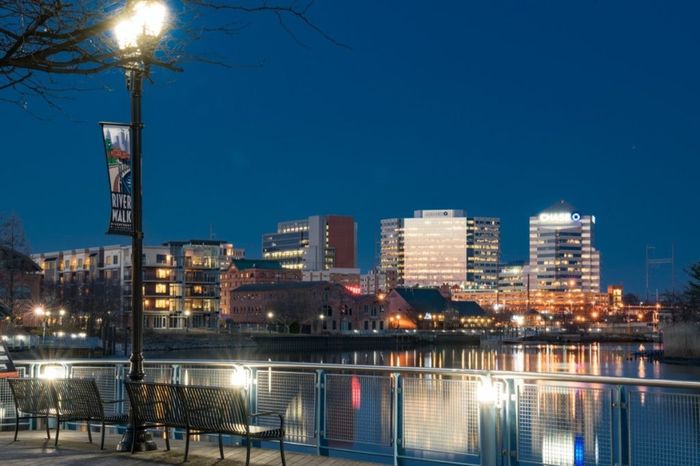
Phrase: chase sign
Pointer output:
(559, 217)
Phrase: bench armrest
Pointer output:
(270, 413)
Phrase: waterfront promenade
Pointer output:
(32, 448)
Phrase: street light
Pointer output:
(187, 320)
(61, 313)
(39, 311)
(137, 35)
(270, 316)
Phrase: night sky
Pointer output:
(498, 108)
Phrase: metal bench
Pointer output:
(67, 400)
(200, 410)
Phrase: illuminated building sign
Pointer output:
(559, 217)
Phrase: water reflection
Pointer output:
(593, 359)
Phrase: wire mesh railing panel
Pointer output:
(7, 404)
(440, 415)
(291, 394)
(358, 409)
(106, 379)
(156, 373)
(206, 376)
(560, 425)
(664, 428)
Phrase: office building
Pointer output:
(441, 247)
(563, 258)
(320, 242)
(483, 252)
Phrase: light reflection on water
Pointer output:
(594, 359)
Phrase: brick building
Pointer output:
(307, 307)
(252, 272)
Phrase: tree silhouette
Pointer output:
(44, 41)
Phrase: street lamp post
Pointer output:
(137, 35)
(187, 321)
(270, 316)
(39, 311)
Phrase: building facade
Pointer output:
(441, 247)
(391, 246)
(350, 278)
(563, 258)
(320, 242)
(252, 272)
(305, 307)
(378, 281)
(429, 309)
(181, 281)
(483, 252)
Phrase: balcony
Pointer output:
(410, 415)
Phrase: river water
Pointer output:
(593, 359)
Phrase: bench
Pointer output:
(67, 400)
(200, 410)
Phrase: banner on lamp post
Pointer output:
(116, 139)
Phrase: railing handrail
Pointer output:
(494, 374)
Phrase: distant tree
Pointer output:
(293, 308)
(692, 292)
(13, 260)
(44, 41)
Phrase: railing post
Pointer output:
(320, 427)
(177, 374)
(488, 443)
(397, 417)
(621, 439)
(253, 388)
(510, 420)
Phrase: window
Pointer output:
(162, 273)
(366, 325)
(334, 325)
(381, 325)
(161, 288)
(115, 259)
(161, 259)
(161, 303)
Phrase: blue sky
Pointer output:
(498, 108)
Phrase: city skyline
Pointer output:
(499, 110)
(257, 252)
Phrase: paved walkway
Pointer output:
(32, 448)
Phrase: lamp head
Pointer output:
(143, 23)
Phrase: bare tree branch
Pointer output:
(44, 38)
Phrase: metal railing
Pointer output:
(408, 415)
